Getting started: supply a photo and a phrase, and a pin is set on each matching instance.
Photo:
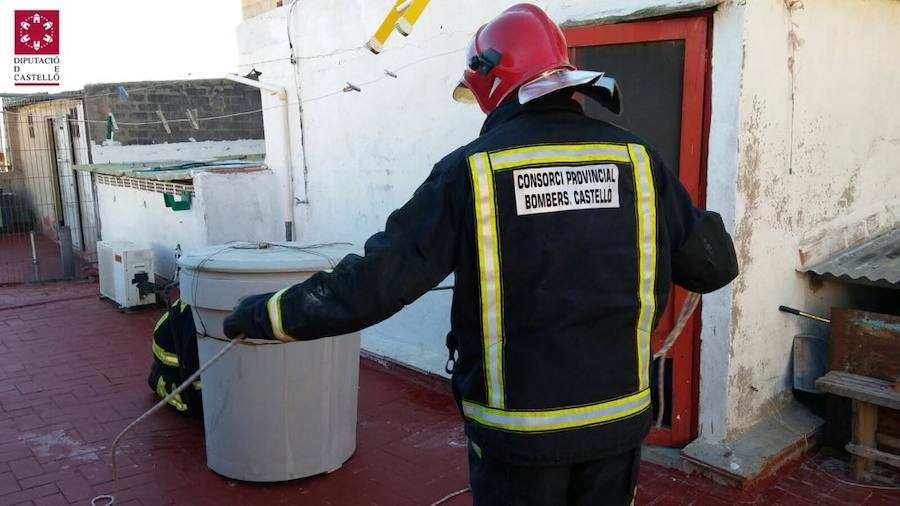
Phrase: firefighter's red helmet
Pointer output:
(519, 45)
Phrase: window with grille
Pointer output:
(30, 126)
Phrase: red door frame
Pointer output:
(693, 30)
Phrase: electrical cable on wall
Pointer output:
(388, 74)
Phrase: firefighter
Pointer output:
(565, 234)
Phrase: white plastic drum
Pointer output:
(272, 411)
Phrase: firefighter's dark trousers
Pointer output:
(610, 481)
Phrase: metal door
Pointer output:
(69, 193)
(662, 66)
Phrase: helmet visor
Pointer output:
(463, 94)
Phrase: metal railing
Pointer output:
(48, 219)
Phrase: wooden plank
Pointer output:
(865, 422)
(865, 343)
(873, 454)
(886, 440)
(860, 388)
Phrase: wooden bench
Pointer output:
(867, 395)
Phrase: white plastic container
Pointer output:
(272, 411)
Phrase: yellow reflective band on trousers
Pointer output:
(273, 306)
(488, 246)
(557, 419)
(645, 207)
(558, 154)
(164, 356)
(175, 401)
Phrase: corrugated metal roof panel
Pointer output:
(171, 171)
(14, 100)
(876, 261)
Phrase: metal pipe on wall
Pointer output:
(281, 93)
(34, 259)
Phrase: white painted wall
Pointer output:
(176, 151)
(715, 347)
(127, 214)
(789, 147)
(226, 207)
(237, 206)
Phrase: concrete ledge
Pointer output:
(663, 456)
(758, 453)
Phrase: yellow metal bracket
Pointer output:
(402, 16)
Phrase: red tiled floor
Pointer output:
(16, 262)
(73, 373)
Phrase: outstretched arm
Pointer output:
(415, 252)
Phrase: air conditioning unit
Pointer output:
(126, 273)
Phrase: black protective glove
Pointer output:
(250, 318)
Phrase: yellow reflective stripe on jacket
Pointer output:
(557, 419)
(273, 306)
(175, 401)
(489, 269)
(645, 205)
(164, 356)
(162, 319)
(182, 305)
(558, 154)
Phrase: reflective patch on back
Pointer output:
(555, 189)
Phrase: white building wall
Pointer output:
(139, 216)
(226, 207)
(790, 146)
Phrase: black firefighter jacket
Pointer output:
(564, 234)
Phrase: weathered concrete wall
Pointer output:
(204, 97)
(819, 138)
(724, 133)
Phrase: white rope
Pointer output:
(687, 309)
(111, 498)
(449, 496)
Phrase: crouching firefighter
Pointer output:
(175, 357)
(565, 234)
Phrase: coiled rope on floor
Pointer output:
(111, 498)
